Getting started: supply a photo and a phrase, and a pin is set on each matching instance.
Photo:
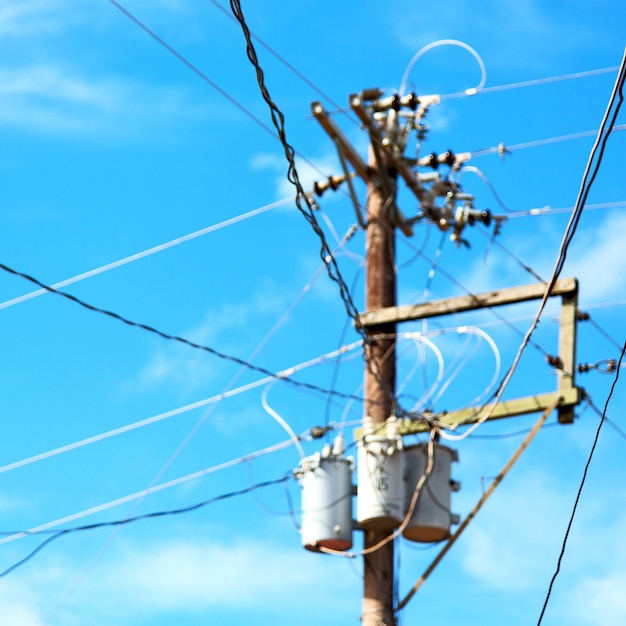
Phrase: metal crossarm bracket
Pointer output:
(566, 288)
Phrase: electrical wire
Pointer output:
(178, 411)
(162, 334)
(474, 170)
(580, 489)
(447, 42)
(136, 518)
(473, 330)
(282, 60)
(503, 149)
(420, 340)
(302, 200)
(538, 81)
(548, 210)
(272, 413)
(146, 253)
(16, 535)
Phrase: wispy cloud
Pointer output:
(52, 99)
(186, 576)
(496, 30)
(223, 329)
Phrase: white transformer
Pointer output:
(431, 518)
(381, 492)
(326, 482)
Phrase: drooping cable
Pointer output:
(302, 200)
(580, 489)
(421, 342)
(159, 333)
(136, 518)
(272, 413)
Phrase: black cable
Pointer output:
(599, 147)
(284, 61)
(302, 200)
(129, 520)
(580, 488)
(187, 342)
(278, 119)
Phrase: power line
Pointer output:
(534, 82)
(580, 488)
(149, 252)
(282, 60)
(167, 336)
(307, 209)
(130, 520)
(503, 149)
(14, 536)
(548, 210)
(175, 412)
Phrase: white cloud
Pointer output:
(597, 257)
(29, 17)
(508, 549)
(175, 576)
(495, 31)
(49, 98)
(18, 605)
(189, 369)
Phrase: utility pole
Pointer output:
(380, 376)
(441, 201)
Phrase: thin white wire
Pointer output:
(331, 227)
(146, 253)
(548, 210)
(498, 363)
(174, 412)
(541, 142)
(150, 490)
(456, 367)
(419, 338)
(537, 81)
(270, 411)
(448, 42)
(498, 366)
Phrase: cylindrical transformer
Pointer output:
(326, 484)
(431, 518)
(381, 492)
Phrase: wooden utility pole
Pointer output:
(441, 202)
(380, 376)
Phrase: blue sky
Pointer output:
(111, 146)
